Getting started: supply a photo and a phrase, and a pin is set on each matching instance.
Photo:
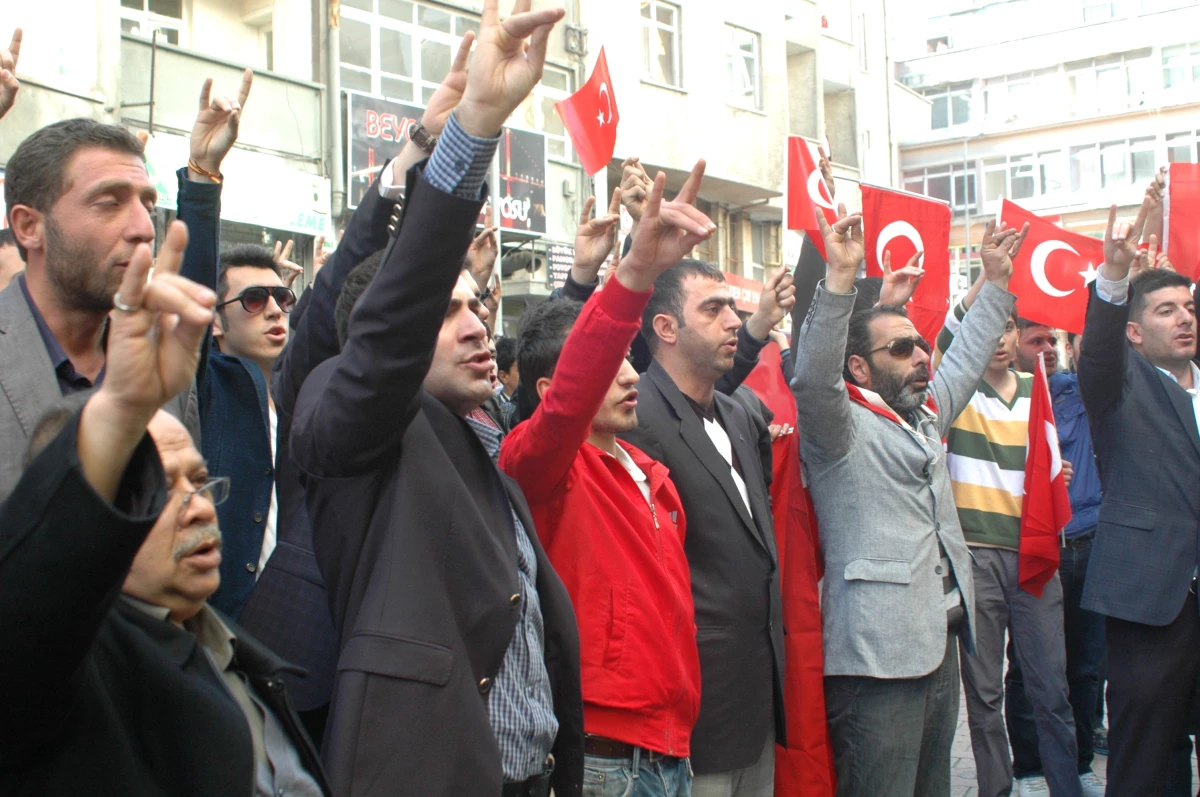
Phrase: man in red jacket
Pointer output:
(608, 515)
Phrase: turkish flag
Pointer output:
(591, 117)
(1052, 271)
(904, 224)
(1046, 509)
(806, 191)
(1181, 218)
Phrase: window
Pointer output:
(1095, 12)
(937, 183)
(1021, 175)
(1052, 172)
(951, 105)
(742, 58)
(660, 42)
(733, 249)
(914, 181)
(267, 39)
(1081, 89)
(1114, 168)
(1181, 148)
(995, 179)
(1181, 66)
(964, 189)
(1141, 159)
(398, 49)
(143, 17)
(1084, 165)
(537, 111)
(862, 42)
(765, 241)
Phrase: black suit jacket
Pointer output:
(1148, 453)
(415, 538)
(735, 573)
(98, 696)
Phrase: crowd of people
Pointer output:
(355, 543)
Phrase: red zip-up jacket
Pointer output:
(621, 559)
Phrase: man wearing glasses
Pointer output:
(897, 591)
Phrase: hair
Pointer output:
(869, 289)
(7, 238)
(354, 286)
(506, 353)
(1072, 337)
(1024, 324)
(544, 329)
(667, 298)
(1147, 283)
(858, 341)
(35, 175)
(242, 256)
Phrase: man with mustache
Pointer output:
(986, 453)
(898, 590)
(118, 678)
(609, 516)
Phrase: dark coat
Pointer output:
(100, 697)
(414, 535)
(735, 573)
(1148, 452)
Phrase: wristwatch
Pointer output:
(422, 138)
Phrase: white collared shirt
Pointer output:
(635, 472)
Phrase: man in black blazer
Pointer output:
(1140, 389)
(458, 671)
(117, 677)
(709, 443)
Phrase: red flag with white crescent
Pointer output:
(806, 192)
(590, 116)
(903, 224)
(1052, 270)
(1046, 508)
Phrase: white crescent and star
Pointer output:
(814, 191)
(608, 101)
(1037, 266)
(898, 229)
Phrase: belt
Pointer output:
(536, 786)
(1079, 542)
(602, 747)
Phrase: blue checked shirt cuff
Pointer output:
(460, 162)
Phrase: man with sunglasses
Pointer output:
(897, 591)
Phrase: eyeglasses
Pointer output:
(215, 490)
(254, 299)
(903, 347)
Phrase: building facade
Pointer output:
(1066, 113)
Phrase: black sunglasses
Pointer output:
(254, 299)
(903, 347)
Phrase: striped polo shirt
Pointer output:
(985, 452)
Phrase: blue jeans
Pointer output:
(636, 777)
(1084, 635)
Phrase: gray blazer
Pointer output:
(883, 497)
(29, 386)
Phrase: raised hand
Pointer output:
(447, 96)
(844, 249)
(776, 301)
(288, 271)
(595, 238)
(669, 230)
(216, 126)
(1120, 242)
(481, 256)
(8, 73)
(998, 250)
(900, 285)
(826, 169)
(154, 346)
(635, 187)
(1155, 193)
(320, 256)
(506, 67)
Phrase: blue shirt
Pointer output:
(1075, 441)
(520, 703)
(69, 380)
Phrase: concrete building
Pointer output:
(1064, 107)
(141, 63)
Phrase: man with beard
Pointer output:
(117, 676)
(79, 203)
(897, 591)
(708, 443)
